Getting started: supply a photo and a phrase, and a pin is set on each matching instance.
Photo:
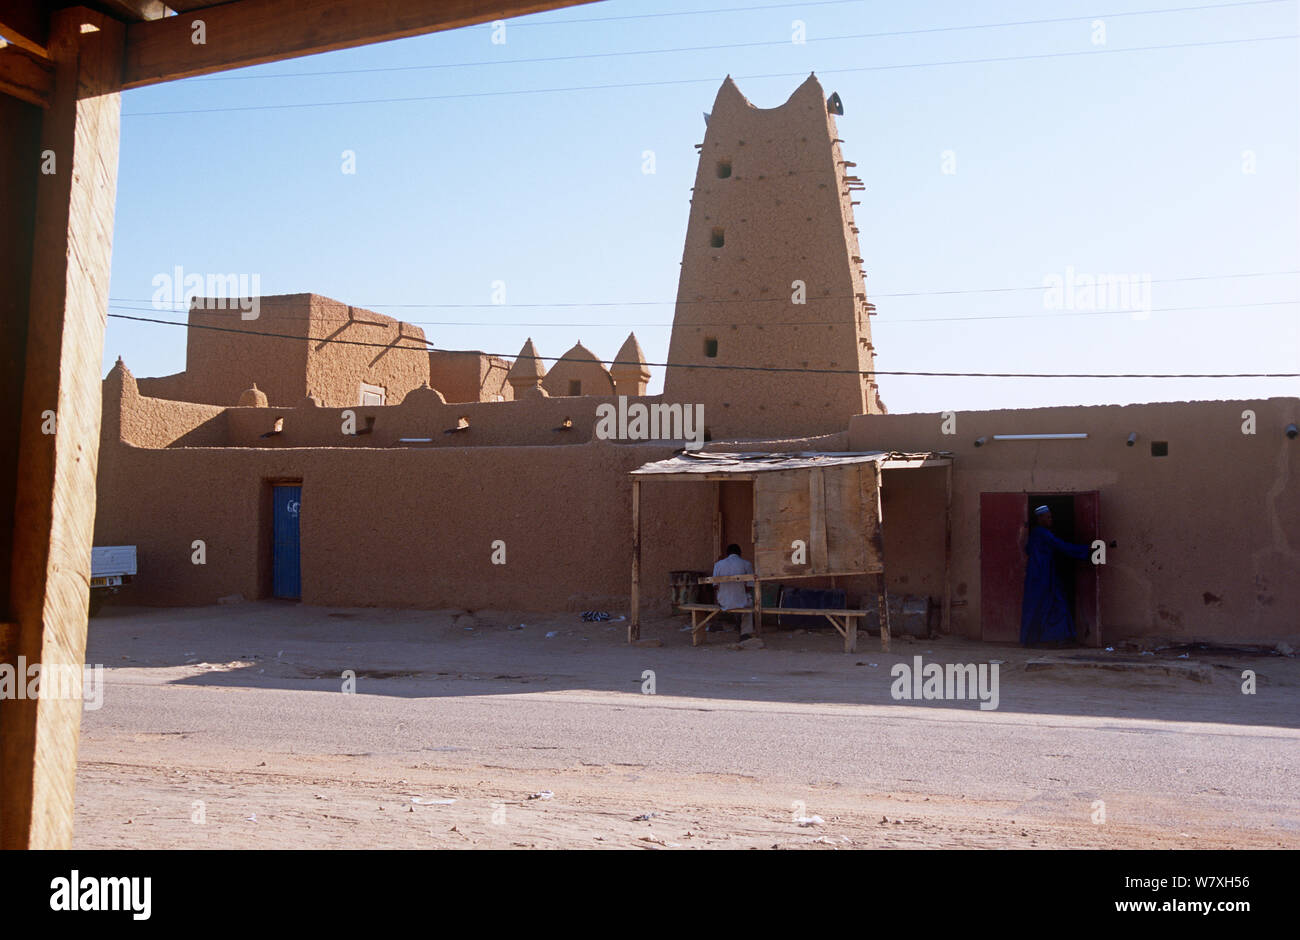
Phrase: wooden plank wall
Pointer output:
(831, 509)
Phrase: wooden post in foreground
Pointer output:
(54, 505)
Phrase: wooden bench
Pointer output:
(847, 629)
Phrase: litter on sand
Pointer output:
(663, 842)
(420, 801)
(552, 634)
(542, 795)
(809, 820)
(644, 817)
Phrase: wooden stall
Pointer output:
(815, 515)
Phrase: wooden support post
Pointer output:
(882, 606)
(634, 627)
(817, 554)
(58, 437)
(882, 598)
(753, 536)
(947, 550)
(717, 520)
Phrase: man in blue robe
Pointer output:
(1045, 615)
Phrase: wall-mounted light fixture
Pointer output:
(1132, 439)
(1292, 431)
(981, 441)
(1039, 437)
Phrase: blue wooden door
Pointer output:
(287, 572)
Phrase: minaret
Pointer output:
(772, 276)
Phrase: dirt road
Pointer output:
(231, 727)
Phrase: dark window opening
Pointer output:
(575, 386)
(724, 169)
(717, 239)
(1159, 448)
(711, 347)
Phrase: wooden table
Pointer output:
(847, 629)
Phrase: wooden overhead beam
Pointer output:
(252, 32)
(24, 24)
(25, 77)
(131, 10)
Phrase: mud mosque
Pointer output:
(405, 465)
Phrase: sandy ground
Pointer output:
(225, 728)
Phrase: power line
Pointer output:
(738, 45)
(322, 340)
(697, 81)
(647, 16)
(1048, 315)
(822, 3)
(729, 300)
(1162, 280)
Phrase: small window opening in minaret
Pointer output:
(711, 347)
(575, 386)
(724, 169)
(717, 238)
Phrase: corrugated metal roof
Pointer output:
(745, 463)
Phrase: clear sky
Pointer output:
(523, 162)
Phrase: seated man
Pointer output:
(732, 595)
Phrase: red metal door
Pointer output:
(1002, 564)
(1087, 584)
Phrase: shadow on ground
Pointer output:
(430, 654)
